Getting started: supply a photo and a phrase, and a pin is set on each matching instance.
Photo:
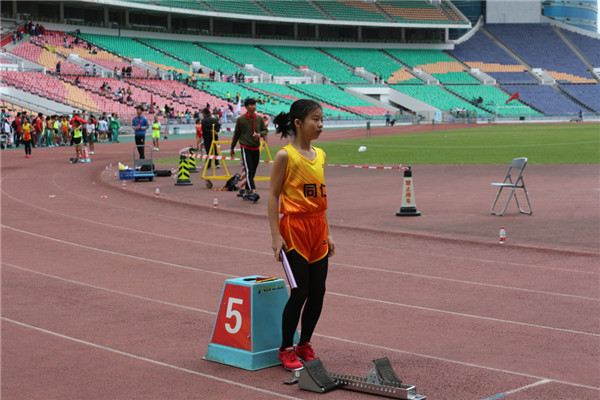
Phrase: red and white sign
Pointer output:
(234, 321)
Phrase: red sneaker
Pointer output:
(305, 352)
(288, 358)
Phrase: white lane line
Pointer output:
(391, 349)
(126, 255)
(516, 264)
(166, 303)
(149, 360)
(391, 303)
(371, 300)
(320, 335)
(540, 382)
(359, 267)
(463, 281)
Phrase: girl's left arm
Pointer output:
(330, 242)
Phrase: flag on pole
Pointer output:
(513, 97)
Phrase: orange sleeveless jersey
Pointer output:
(303, 189)
(303, 200)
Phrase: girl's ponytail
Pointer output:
(283, 124)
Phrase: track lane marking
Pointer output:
(317, 334)
(148, 360)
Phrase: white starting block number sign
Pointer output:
(231, 313)
(233, 326)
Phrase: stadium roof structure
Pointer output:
(374, 13)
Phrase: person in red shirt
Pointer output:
(18, 129)
(38, 130)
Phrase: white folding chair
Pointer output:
(513, 180)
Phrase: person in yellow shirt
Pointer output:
(26, 127)
(77, 138)
(298, 193)
(155, 133)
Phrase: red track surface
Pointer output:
(115, 298)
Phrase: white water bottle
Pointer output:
(502, 235)
(157, 192)
(216, 202)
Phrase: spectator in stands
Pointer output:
(94, 70)
(129, 70)
(140, 125)
(114, 127)
(248, 131)
(58, 65)
(76, 82)
(183, 93)
(209, 124)
(388, 118)
(87, 69)
(580, 115)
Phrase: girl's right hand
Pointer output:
(278, 244)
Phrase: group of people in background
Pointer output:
(31, 130)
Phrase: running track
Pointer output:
(115, 298)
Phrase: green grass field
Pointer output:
(541, 144)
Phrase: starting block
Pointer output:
(381, 380)
(247, 331)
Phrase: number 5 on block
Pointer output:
(234, 320)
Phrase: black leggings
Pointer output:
(309, 294)
(27, 144)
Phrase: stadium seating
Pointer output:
(544, 98)
(436, 63)
(316, 61)
(245, 54)
(348, 10)
(39, 55)
(330, 94)
(130, 48)
(235, 7)
(589, 95)
(438, 97)
(541, 47)
(481, 52)
(374, 61)
(415, 11)
(190, 52)
(586, 45)
(292, 9)
(494, 100)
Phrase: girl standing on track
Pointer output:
(199, 134)
(26, 127)
(298, 192)
(77, 139)
(155, 133)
